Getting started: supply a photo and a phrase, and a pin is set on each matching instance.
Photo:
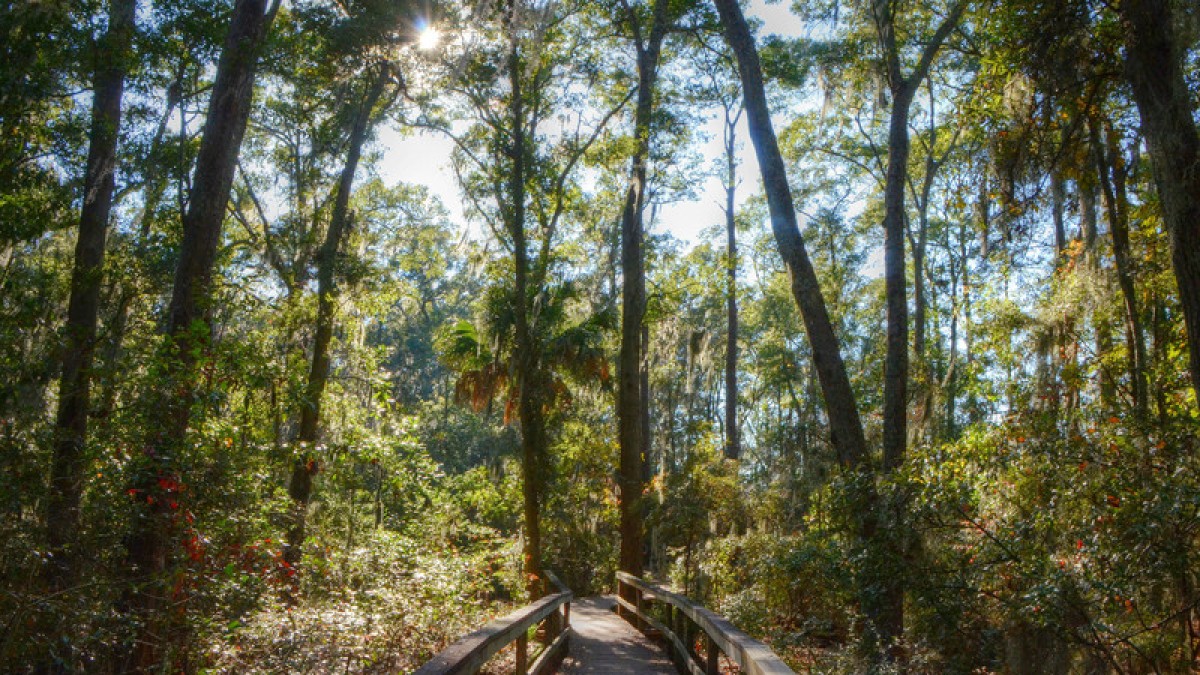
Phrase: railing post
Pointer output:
(522, 653)
(621, 594)
(713, 660)
(641, 625)
(552, 626)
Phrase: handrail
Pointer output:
(467, 655)
(684, 616)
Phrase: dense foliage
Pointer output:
(391, 419)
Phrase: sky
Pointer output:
(424, 158)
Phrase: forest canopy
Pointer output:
(921, 397)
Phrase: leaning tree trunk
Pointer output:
(307, 464)
(155, 481)
(1153, 60)
(847, 436)
(845, 423)
(631, 402)
(71, 424)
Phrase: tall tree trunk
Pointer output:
(630, 402)
(1153, 60)
(895, 368)
(733, 443)
(529, 377)
(887, 612)
(155, 478)
(71, 424)
(307, 464)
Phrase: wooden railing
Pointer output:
(684, 621)
(470, 653)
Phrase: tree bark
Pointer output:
(71, 424)
(886, 612)
(155, 476)
(630, 401)
(1153, 61)
(307, 463)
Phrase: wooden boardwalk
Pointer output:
(605, 644)
(601, 643)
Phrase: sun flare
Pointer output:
(429, 39)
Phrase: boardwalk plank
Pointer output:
(604, 644)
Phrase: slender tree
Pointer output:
(733, 442)
(1113, 177)
(523, 191)
(305, 466)
(112, 61)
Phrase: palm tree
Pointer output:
(489, 368)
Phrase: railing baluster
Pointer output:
(522, 653)
(713, 660)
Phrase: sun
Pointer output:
(429, 39)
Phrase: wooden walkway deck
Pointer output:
(605, 644)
